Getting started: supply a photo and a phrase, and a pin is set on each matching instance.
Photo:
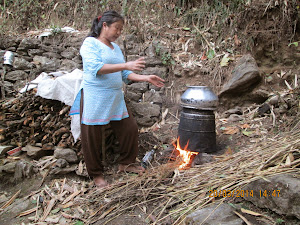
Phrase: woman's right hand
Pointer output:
(137, 65)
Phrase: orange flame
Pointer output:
(185, 154)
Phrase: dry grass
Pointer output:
(173, 194)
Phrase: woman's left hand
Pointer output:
(155, 80)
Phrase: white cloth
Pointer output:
(61, 86)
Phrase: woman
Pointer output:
(101, 100)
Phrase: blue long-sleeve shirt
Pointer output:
(103, 95)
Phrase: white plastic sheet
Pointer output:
(61, 86)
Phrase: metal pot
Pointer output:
(199, 97)
(197, 120)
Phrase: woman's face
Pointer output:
(113, 31)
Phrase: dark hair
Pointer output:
(109, 17)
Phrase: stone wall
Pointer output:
(60, 52)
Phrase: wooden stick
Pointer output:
(49, 208)
(10, 200)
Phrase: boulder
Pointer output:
(68, 65)
(217, 214)
(69, 53)
(279, 193)
(34, 152)
(66, 170)
(61, 163)
(67, 154)
(153, 97)
(245, 77)
(45, 64)
(22, 64)
(236, 110)
(34, 52)
(147, 113)
(159, 71)
(133, 96)
(146, 109)
(52, 55)
(8, 167)
(153, 61)
(234, 118)
(138, 87)
(23, 169)
(28, 43)
(13, 76)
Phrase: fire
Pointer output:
(185, 154)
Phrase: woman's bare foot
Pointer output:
(100, 182)
(131, 168)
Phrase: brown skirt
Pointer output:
(126, 131)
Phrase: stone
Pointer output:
(138, 87)
(78, 60)
(8, 87)
(34, 52)
(19, 205)
(259, 95)
(202, 158)
(146, 109)
(147, 113)
(133, 57)
(153, 97)
(23, 169)
(20, 167)
(52, 48)
(160, 89)
(52, 55)
(9, 167)
(150, 51)
(263, 109)
(178, 72)
(61, 163)
(236, 110)
(29, 43)
(67, 154)
(62, 171)
(218, 214)
(69, 53)
(34, 152)
(273, 100)
(145, 121)
(68, 65)
(245, 77)
(235, 118)
(159, 71)
(10, 42)
(46, 64)
(133, 96)
(132, 48)
(47, 146)
(153, 61)
(281, 194)
(22, 64)
(13, 76)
